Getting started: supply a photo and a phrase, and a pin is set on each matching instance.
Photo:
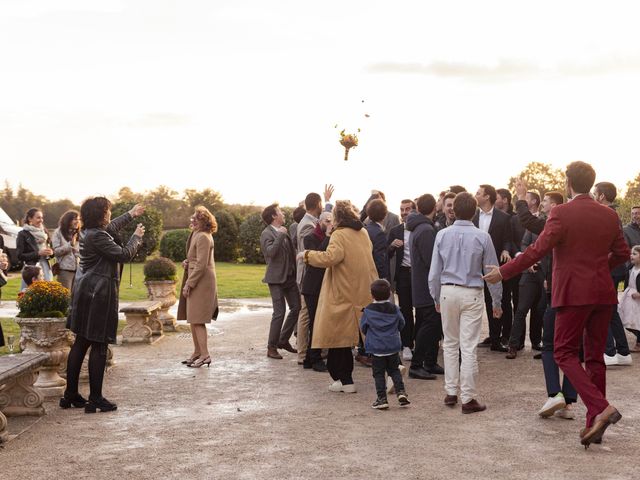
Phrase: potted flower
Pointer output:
(42, 316)
(160, 279)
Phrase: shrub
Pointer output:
(174, 243)
(249, 236)
(152, 221)
(226, 238)
(44, 299)
(159, 268)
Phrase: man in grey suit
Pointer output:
(280, 275)
(313, 207)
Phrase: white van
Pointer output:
(9, 232)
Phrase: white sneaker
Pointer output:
(566, 413)
(407, 354)
(351, 388)
(623, 359)
(552, 405)
(336, 386)
(611, 361)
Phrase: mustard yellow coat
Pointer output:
(346, 288)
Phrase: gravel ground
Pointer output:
(252, 417)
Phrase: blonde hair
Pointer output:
(205, 219)
(344, 211)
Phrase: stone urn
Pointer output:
(47, 335)
(163, 291)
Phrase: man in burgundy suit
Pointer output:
(587, 242)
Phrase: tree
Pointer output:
(55, 210)
(125, 194)
(250, 232)
(165, 201)
(633, 188)
(208, 198)
(541, 177)
(152, 221)
(226, 238)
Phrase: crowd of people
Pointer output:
(381, 289)
(450, 262)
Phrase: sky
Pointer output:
(244, 96)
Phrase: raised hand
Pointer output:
(137, 210)
(328, 192)
(521, 188)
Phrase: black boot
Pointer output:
(72, 400)
(101, 404)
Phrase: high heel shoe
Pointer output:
(101, 404)
(190, 360)
(200, 362)
(75, 400)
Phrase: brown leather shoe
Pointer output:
(607, 417)
(288, 347)
(364, 360)
(450, 400)
(596, 439)
(513, 353)
(272, 352)
(473, 406)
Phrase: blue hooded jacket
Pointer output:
(381, 323)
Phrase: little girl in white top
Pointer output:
(629, 306)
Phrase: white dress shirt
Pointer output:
(484, 220)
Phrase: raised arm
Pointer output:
(105, 245)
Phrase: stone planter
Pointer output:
(47, 335)
(163, 291)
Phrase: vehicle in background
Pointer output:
(9, 232)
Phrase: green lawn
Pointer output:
(234, 281)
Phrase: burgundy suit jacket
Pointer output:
(587, 243)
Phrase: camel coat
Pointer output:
(202, 304)
(345, 289)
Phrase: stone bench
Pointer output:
(18, 396)
(143, 325)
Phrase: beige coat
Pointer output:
(345, 288)
(200, 274)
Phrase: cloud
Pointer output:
(509, 70)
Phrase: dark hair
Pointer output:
(555, 197)
(29, 272)
(535, 195)
(311, 201)
(298, 214)
(268, 213)
(448, 195)
(381, 289)
(489, 190)
(382, 195)
(503, 192)
(93, 212)
(65, 223)
(426, 203)
(376, 210)
(637, 206)
(457, 189)
(408, 200)
(581, 176)
(608, 189)
(464, 206)
(29, 215)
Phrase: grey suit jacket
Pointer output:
(305, 227)
(278, 252)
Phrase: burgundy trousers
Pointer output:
(588, 324)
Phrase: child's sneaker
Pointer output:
(403, 399)
(380, 404)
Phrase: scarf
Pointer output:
(40, 234)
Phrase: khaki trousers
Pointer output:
(302, 341)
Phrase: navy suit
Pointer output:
(379, 241)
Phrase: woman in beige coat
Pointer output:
(199, 296)
(345, 292)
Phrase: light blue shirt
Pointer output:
(460, 254)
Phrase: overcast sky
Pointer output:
(243, 96)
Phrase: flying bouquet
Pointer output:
(348, 140)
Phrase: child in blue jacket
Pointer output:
(382, 322)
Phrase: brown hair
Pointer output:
(205, 219)
(312, 201)
(491, 191)
(29, 215)
(426, 203)
(377, 210)
(381, 289)
(298, 214)
(555, 197)
(457, 189)
(408, 200)
(65, 223)
(607, 189)
(29, 272)
(464, 206)
(268, 213)
(448, 195)
(581, 176)
(343, 212)
(93, 212)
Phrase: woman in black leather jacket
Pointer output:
(93, 316)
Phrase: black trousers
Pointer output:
(97, 364)
(340, 364)
(532, 298)
(388, 364)
(403, 289)
(616, 338)
(499, 328)
(512, 292)
(313, 355)
(428, 335)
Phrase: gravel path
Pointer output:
(252, 417)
